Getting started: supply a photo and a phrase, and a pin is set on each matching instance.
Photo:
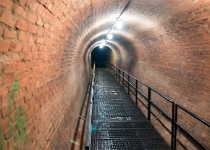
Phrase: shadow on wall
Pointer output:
(100, 56)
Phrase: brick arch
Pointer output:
(164, 43)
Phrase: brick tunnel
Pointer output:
(46, 64)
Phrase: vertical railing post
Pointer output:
(149, 103)
(175, 126)
(136, 91)
(119, 75)
(128, 84)
(116, 72)
(89, 128)
(172, 126)
(123, 78)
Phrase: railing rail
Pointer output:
(116, 71)
(178, 106)
(89, 129)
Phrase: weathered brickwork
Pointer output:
(44, 68)
(42, 83)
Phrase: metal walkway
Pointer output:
(117, 123)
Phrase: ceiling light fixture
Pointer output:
(103, 42)
(109, 36)
(101, 46)
(119, 24)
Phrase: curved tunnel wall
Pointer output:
(45, 45)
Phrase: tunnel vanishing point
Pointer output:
(45, 64)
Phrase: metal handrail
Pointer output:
(89, 129)
(174, 107)
(184, 130)
(194, 115)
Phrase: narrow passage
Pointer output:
(117, 123)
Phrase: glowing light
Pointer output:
(119, 24)
(103, 42)
(109, 36)
(101, 46)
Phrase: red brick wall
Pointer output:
(42, 80)
(44, 68)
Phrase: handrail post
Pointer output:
(136, 92)
(123, 78)
(116, 72)
(128, 84)
(172, 125)
(88, 136)
(175, 126)
(119, 75)
(149, 102)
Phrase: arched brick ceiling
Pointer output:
(142, 20)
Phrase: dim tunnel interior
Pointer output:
(47, 51)
(100, 56)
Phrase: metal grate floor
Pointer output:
(117, 123)
(129, 144)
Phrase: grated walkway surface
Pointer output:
(117, 123)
